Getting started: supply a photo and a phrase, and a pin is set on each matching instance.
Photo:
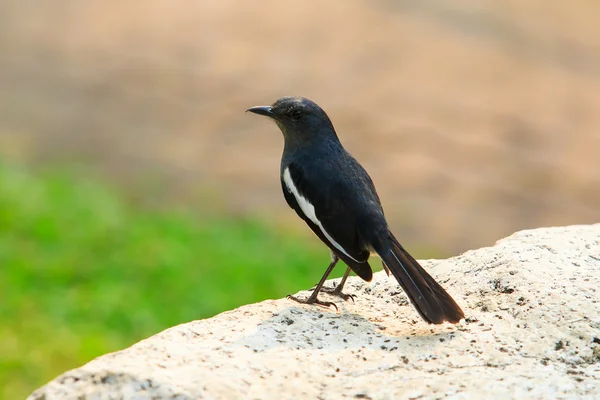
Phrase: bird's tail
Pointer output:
(432, 302)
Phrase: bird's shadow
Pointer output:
(313, 327)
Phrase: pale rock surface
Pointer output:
(532, 332)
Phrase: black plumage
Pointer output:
(337, 199)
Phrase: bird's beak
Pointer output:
(262, 110)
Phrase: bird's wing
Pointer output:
(321, 205)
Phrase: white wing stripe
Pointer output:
(309, 210)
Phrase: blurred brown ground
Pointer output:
(475, 118)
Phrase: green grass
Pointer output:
(85, 271)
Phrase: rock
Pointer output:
(532, 331)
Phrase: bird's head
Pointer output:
(300, 119)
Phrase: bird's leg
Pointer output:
(313, 297)
(337, 290)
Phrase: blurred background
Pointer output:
(136, 194)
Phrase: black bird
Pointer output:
(335, 196)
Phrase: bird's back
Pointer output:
(346, 188)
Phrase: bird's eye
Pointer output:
(296, 114)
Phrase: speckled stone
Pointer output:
(532, 331)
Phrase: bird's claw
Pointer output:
(336, 291)
(312, 300)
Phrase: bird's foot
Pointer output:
(337, 291)
(312, 300)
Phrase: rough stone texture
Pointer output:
(532, 331)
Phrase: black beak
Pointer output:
(262, 110)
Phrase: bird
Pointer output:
(336, 197)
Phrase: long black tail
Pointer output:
(432, 302)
